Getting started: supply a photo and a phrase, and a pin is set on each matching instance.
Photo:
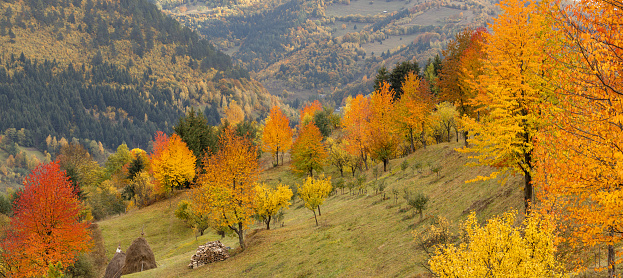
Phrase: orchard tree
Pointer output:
(383, 131)
(45, 229)
(308, 151)
(269, 200)
(313, 192)
(512, 93)
(356, 122)
(172, 163)
(414, 107)
(225, 190)
(277, 136)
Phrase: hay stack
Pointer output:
(113, 270)
(139, 257)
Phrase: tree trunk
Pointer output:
(277, 157)
(527, 191)
(240, 234)
(314, 211)
(268, 223)
(465, 137)
(611, 259)
(365, 161)
(411, 139)
(385, 160)
(457, 134)
(448, 132)
(423, 139)
(319, 213)
(341, 172)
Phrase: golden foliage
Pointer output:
(172, 163)
(308, 151)
(225, 190)
(313, 192)
(499, 249)
(268, 201)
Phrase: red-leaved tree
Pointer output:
(45, 228)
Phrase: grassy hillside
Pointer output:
(358, 236)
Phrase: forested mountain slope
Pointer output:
(313, 48)
(111, 71)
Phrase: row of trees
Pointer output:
(541, 96)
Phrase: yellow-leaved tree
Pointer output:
(500, 249)
(225, 190)
(172, 163)
(313, 192)
(308, 151)
(511, 92)
(277, 136)
(355, 124)
(269, 200)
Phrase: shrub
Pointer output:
(404, 165)
(416, 201)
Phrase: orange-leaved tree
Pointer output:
(511, 93)
(45, 229)
(277, 136)
(309, 110)
(581, 158)
(308, 151)
(172, 163)
(462, 63)
(225, 190)
(355, 123)
(383, 131)
(414, 106)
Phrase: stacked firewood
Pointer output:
(212, 251)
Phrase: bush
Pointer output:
(416, 201)
(404, 165)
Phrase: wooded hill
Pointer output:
(305, 49)
(111, 71)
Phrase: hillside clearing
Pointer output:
(358, 235)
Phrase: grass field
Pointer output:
(358, 236)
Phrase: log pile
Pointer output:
(212, 251)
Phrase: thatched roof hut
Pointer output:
(139, 257)
(113, 270)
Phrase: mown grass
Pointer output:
(358, 236)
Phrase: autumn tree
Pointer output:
(309, 111)
(500, 249)
(277, 136)
(580, 172)
(233, 114)
(113, 168)
(172, 163)
(338, 156)
(414, 107)
(356, 122)
(444, 119)
(80, 167)
(313, 192)
(45, 229)
(383, 131)
(225, 190)
(269, 200)
(461, 65)
(308, 151)
(512, 92)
